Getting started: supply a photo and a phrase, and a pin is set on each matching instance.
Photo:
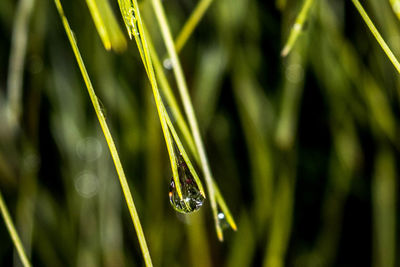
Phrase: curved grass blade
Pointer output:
(109, 139)
(13, 232)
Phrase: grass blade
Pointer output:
(182, 86)
(171, 100)
(377, 35)
(109, 139)
(297, 27)
(17, 60)
(384, 208)
(13, 233)
(106, 25)
(135, 26)
(133, 22)
(191, 24)
(396, 7)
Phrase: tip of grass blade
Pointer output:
(233, 225)
(201, 189)
(285, 51)
(219, 234)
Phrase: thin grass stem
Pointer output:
(184, 154)
(132, 16)
(191, 24)
(109, 139)
(99, 23)
(170, 98)
(224, 207)
(297, 27)
(13, 232)
(377, 35)
(106, 25)
(179, 76)
(396, 7)
(166, 89)
(17, 60)
(181, 40)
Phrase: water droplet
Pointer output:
(192, 199)
(222, 220)
(167, 63)
(130, 21)
(102, 108)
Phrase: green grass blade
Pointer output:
(109, 139)
(131, 15)
(377, 35)
(384, 208)
(133, 20)
(128, 14)
(396, 7)
(106, 25)
(182, 86)
(17, 60)
(224, 207)
(171, 100)
(184, 154)
(181, 40)
(191, 24)
(297, 27)
(13, 232)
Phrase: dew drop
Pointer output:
(102, 108)
(222, 220)
(192, 199)
(130, 21)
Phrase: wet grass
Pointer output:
(304, 148)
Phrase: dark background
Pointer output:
(305, 148)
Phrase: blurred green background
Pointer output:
(305, 148)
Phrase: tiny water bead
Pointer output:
(222, 221)
(128, 13)
(192, 199)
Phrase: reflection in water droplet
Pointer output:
(222, 220)
(192, 199)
